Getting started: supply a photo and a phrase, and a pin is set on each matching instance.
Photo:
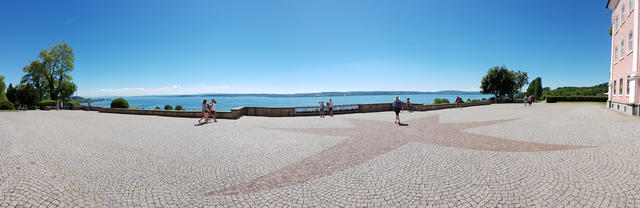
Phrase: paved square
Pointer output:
(545, 155)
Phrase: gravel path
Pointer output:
(548, 155)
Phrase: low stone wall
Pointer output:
(317, 113)
(377, 107)
(268, 112)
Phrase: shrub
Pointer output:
(475, 100)
(168, 107)
(507, 100)
(179, 107)
(72, 103)
(441, 101)
(48, 103)
(6, 105)
(158, 108)
(119, 103)
(484, 99)
(553, 99)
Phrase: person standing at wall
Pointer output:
(409, 105)
(321, 109)
(212, 109)
(330, 106)
(205, 112)
(397, 106)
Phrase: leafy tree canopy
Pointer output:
(49, 74)
(499, 81)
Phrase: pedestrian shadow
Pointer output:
(199, 124)
(403, 124)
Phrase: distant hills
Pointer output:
(337, 94)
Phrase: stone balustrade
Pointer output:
(269, 112)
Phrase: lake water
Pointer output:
(228, 103)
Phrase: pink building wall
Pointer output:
(625, 66)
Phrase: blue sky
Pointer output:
(188, 47)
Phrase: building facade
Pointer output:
(623, 75)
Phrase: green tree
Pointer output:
(535, 88)
(610, 30)
(35, 75)
(27, 95)
(499, 81)
(11, 94)
(50, 73)
(521, 79)
(2, 86)
(66, 90)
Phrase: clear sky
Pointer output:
(187, 47)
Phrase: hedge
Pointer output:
(119, 103)
(553, 99)
(72, 103)
(168, 107)
(179, 108)
(48, 103)
(6, 105)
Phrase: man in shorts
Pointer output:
(397, 106)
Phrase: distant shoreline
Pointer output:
(318, 94)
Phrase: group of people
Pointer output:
(208, 110)
(329, 106)
(527, 100)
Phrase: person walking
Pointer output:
(530, 100)
(397, 106)
(205, 112)
(330, 106)
(212, 109)
(321, 109)
(525, 100)
(89, 103)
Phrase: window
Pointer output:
(620, 87)
(622, 51)
(613, 88)
(624, 13)
(628, 88)
(615, 54)
(630, 38)
(631, 5)
(615, 25)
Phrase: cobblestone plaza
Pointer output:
(549, 155)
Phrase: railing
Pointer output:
(306, 109)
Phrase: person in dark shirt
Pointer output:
(397, 106)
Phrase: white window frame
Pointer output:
(615, 54)
(620, 87)
(615, 27)
(628, 88)
(624, 13)
(630, 42)
(622, 51)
